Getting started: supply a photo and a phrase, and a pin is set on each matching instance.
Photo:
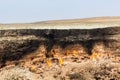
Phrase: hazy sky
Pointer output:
(40, 10)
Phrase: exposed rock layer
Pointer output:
(15, 43)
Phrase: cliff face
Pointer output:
(15, 43)
(75, 49)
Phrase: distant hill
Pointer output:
(84, 23)
(94, 19)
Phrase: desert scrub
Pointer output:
(17, 73)
(95, 69)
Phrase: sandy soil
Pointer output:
(85, 23)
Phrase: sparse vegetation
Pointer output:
(17, 73)
(97, 68)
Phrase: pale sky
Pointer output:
(17, 11)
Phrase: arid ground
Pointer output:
(69, 63)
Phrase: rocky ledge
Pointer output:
(16, 43)
(84, 49)
(92, 34)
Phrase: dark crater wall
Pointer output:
(13, 48)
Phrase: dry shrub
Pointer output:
(17, 73)
(95, 69)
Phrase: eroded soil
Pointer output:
(71, 63)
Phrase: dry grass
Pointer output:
(17, 73)
(96, 69)
(99, 68)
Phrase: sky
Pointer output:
(21, 11)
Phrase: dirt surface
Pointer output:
(71, 66)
